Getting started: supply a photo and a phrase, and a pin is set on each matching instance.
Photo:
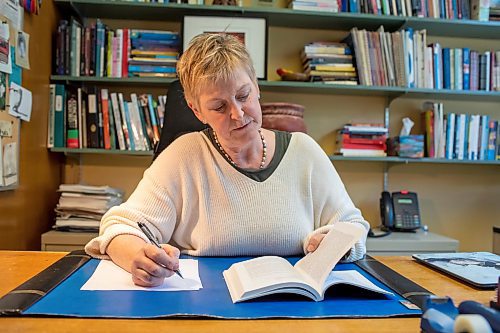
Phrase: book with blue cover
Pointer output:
(479, 269)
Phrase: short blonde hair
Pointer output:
(212, 58)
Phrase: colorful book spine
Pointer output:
(466, 68)
(154, 121)
(450, 135)
(493, 140)
(59, 115)
(122, 143)
(71, 119)
(105, 118)
(51, 118)
(126, 126)
(484, 132)
(446, 68)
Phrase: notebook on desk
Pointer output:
(479, 269)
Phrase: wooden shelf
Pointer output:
(388, 159)
(280, 17)
(102, 151)
(393, 159)
(149, 81)
(307, 87)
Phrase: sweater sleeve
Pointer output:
(331, 201)
(149, 203)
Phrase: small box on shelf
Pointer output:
(406, 146)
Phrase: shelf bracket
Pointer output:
(385, 184)
(77, 11)
(74, 175)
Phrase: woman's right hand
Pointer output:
(151, 265)
(148, 264)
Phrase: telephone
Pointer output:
(399, 211)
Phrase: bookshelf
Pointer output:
(360, 174)
(280, 17)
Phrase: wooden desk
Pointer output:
(17, 267)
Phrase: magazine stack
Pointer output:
(329, 62)
(362, 140)
(81, 207)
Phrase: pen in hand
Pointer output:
(153, 240)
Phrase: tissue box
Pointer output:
(406, 146)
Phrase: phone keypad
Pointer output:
(407, 221)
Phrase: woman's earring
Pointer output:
(258, 96)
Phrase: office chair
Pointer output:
(178, 118)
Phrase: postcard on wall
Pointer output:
(1, 161)
(5, 58)
(6, 128)
(12, 11)
(17, 71)
(23, 49)
(20, 100)
(3, 91)
(10, 163)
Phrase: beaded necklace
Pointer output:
(226, 155)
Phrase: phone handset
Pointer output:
(386, 210)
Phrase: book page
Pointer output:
(265, 275)
(265, 271)
(353, 278)
(317, 265)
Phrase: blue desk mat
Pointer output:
(214, 300)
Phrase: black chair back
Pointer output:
(179, 119)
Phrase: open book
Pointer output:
(311, 276)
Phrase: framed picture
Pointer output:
(251, 31)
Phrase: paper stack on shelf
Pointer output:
(81, 207)
(362, 140)
(329, 62)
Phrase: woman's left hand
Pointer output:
(314, 242)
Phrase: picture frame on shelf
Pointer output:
(251, 30)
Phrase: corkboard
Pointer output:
(9, 131)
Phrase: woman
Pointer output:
(233, 189)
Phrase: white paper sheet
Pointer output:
(109, 276)
(20, 101)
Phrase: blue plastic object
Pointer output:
(439, 315)
(492, 316)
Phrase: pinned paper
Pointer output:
(10, 163)
(1, 162)
(5, 57)
(3, 90)
(13, 12)
(17, 72)
(20, 101)
(5, 128)
(22, 49)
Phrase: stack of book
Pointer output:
(329, 62)
(494, 10)
(153, 53)
(81, 207)
(331, 6)
(362, 140)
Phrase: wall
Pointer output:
(459, 201)
(27, 212)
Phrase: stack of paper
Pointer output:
(81, 207)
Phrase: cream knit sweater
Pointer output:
(192, 198)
